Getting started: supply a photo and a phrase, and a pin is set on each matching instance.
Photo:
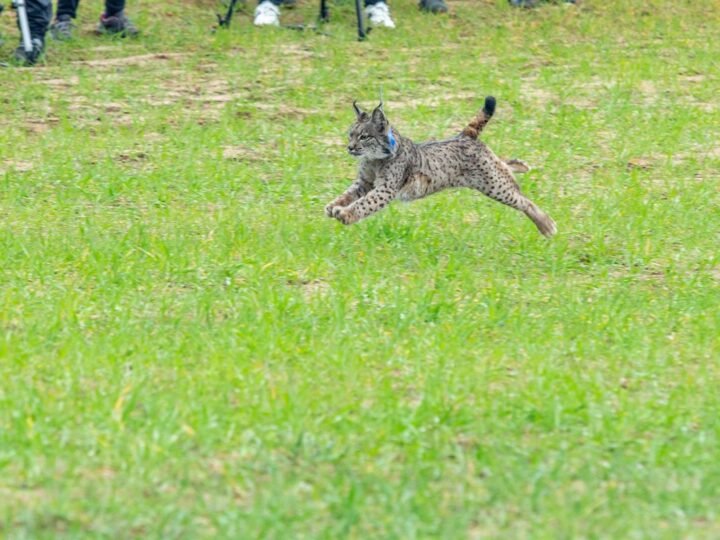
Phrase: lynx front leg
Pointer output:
(343, 200)
(353, 193)
(375, 200)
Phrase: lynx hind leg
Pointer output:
(499, 184)
(542, 221)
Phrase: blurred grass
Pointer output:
(190, 349)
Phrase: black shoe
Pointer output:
(62, 28)
(116, 24)
(25, 58)
(433, 6)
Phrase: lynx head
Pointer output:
(370, 136)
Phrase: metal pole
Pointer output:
(24, 26)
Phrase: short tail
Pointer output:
(475, 127)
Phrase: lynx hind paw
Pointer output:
(546, 226)
(551, 229)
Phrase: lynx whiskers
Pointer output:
(394, 167)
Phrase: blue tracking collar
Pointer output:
(392, 140)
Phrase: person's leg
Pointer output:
(39, 14)
(114, 7)
(66, 8)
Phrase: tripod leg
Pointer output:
(358, 12)
(225, 21)
(24, 26)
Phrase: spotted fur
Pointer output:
(408, 171)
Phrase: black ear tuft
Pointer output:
(359, 112)
(489, 108)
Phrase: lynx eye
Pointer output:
(365, 137)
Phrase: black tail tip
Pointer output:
(489, 108)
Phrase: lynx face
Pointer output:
(368, 136)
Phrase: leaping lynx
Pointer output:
(394, 167)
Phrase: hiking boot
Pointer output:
(62, 28)
(433, 6)
(267, 14)
(379, 15)
(117, 24)
(25, 58)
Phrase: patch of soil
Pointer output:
(311, 288)
(141, 59)
(244, 154)
(435, 100)
(16, 165)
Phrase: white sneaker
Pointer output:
(267, 14)
(379, 15)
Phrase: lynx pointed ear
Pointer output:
(378, 115)
(358, 112)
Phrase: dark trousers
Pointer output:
(280, 2)
(69, 7)
(39, 13)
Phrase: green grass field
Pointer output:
(191, 349)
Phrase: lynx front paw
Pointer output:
(340, 202)
(344, 216)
